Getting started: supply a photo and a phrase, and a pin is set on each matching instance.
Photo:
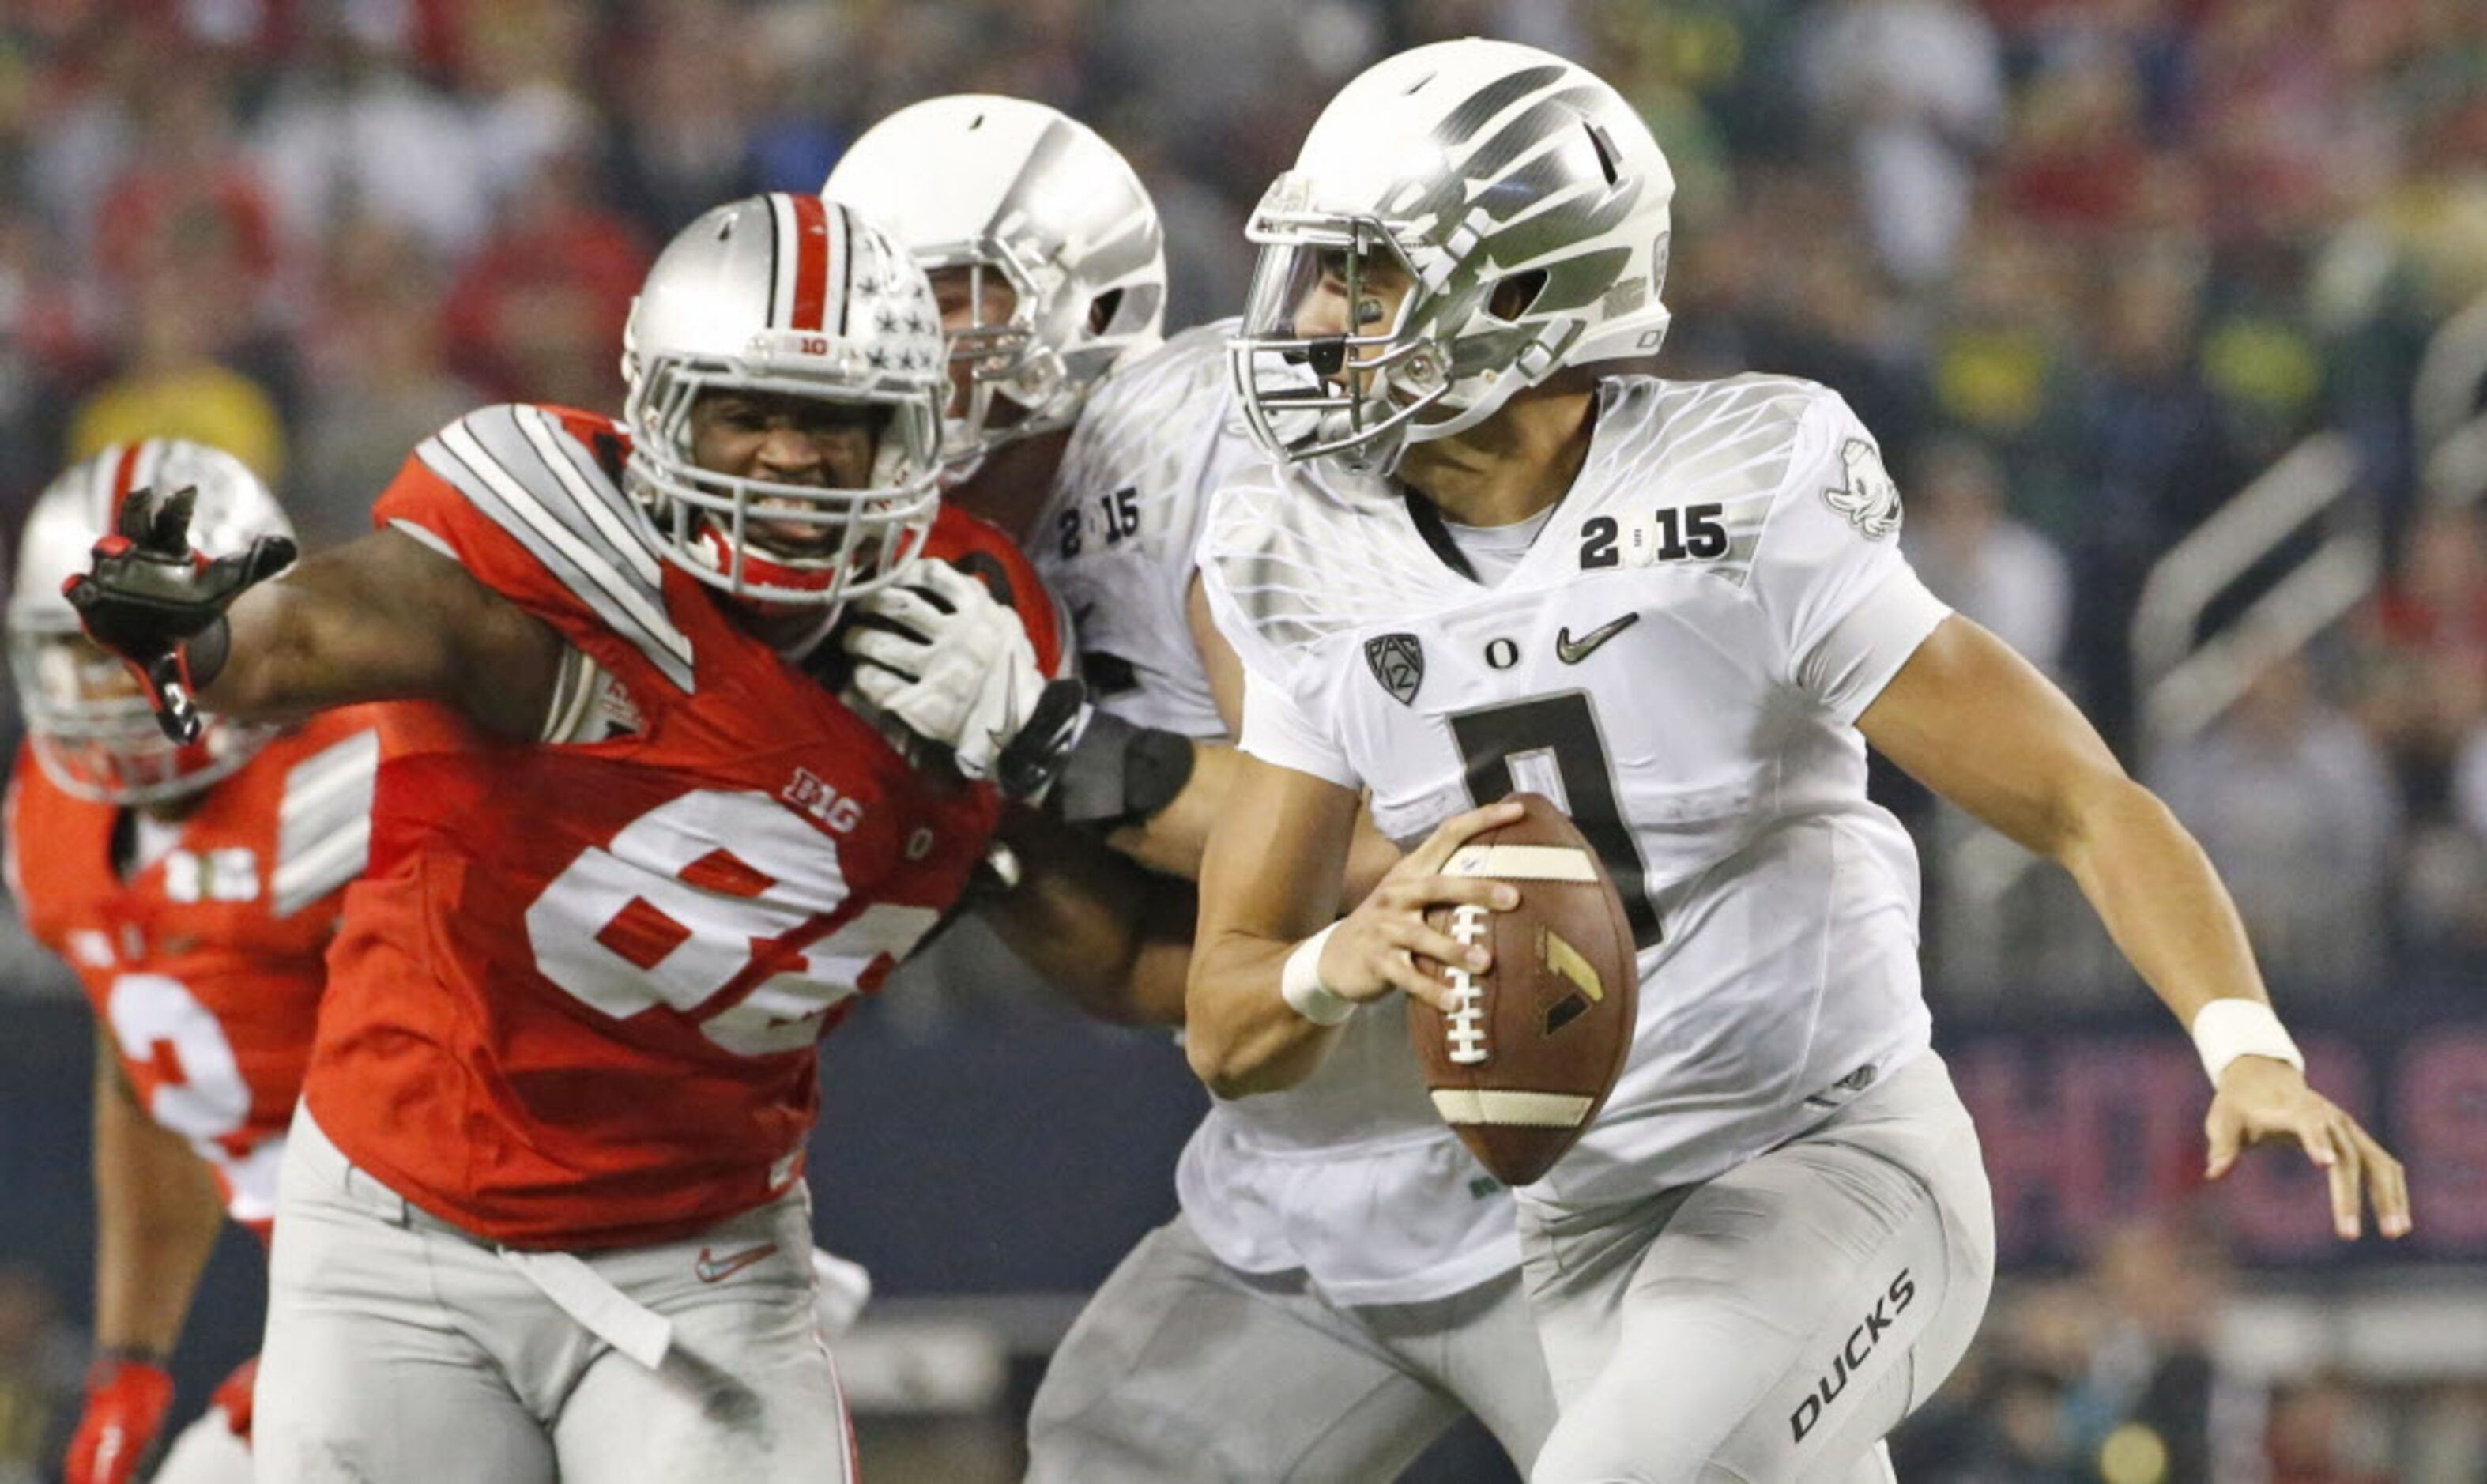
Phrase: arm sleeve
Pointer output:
(1276, 730)
(1846, 607)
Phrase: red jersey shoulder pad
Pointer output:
(547, 481)
(979, 549)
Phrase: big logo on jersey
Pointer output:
(1398, 662)
(696, 897)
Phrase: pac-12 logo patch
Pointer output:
(1869, 499)
(1398, 662)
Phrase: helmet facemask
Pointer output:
(1007, 380)
(1351, 392)
(92, 729)
(865, 536)
(815, 318)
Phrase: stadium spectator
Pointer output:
(172, 384)
(378, 378)
(1972, 555)
(2296, 807)
(1916, 87)
(535, 312)
(352, 130)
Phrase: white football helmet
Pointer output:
(1464, 168)
(788, 295)
(91, 726)
(1021, 194)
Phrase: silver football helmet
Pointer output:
(785, 296)
(90, 724)
(1519, 201)
(1025, 198)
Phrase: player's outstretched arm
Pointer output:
(385, 618)
(1115, 940)
(1980, 726)
(158, 1214)
(1272, 977)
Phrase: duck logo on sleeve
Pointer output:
(1869, 499)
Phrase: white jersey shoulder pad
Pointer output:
(1156, 427)
(1697, 462)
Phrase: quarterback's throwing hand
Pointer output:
(2262, 1099)
(1374, 949)
(149, 594)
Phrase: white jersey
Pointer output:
(1678, 661)
(1349, 1177)
(1115, 539)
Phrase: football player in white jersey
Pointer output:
(1342, 1281)
(1503, 558)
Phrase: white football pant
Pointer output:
(1770, 1326)
(1181, 1369)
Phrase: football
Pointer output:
(1525, 1057)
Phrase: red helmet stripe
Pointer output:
(125, 474)
(812, 249)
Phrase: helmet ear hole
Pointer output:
(1101, 310)
(1606, 151)
(1513, 295)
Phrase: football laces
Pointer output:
(1465, 1022)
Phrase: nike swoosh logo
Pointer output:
(1573, 651)
(717, 1269)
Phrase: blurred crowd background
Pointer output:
(2090, 268)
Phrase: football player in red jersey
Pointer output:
(194, 889)
(543, 1213)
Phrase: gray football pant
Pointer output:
(1771, 1325)
(402, 1350)
(1183, 1369)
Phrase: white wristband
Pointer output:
(1299, 984)
(2225, 1029)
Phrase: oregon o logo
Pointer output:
(1501, 654)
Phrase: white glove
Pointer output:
(969, 683)
(841, 1291)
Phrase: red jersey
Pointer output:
(205, 964)
(575, 1001)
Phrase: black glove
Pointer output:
(1034, 756)
(153, 599)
